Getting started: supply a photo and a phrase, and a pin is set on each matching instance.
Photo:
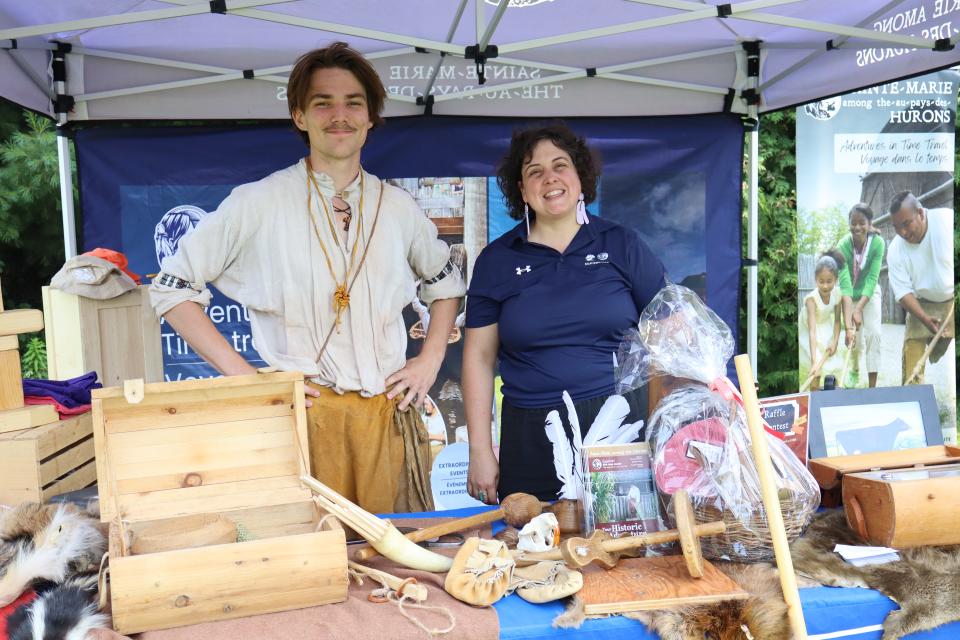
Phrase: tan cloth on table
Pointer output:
(917, 336)
(359, 449)
(261, 249)
(357, 618)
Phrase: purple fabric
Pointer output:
(70, 393)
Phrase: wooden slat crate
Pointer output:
(39, 463)
(232, 446)
(118, 338)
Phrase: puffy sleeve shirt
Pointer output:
(261, 248)
(560, 316)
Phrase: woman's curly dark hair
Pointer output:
(510, 171)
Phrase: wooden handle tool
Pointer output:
(771, 501)
(437, 530)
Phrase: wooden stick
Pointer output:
(771, 502)
(930, 347)
(846, 360)
(629, 542)
(814, 373)
(438, 530)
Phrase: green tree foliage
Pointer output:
(31, 235)
(821, 230)
(777, 273)
(33, 359)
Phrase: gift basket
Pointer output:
(698, 433)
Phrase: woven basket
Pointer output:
(751, 541)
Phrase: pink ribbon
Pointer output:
(725, 388)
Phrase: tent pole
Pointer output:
(63, 158)
(66, 191)
(752, 246)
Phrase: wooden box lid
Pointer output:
(829, 471)
(201, 446)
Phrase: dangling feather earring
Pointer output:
(582, 217)
(526, 217)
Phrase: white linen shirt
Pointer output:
(924, 269)
(260, 248)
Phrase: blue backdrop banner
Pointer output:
(676, 180)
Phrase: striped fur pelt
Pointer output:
(67, 611)
(55, 549)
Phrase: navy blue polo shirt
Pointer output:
(561, 316)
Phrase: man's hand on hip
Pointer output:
(414, 380)
(310, 392)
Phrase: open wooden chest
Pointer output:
(830, 472)
(232, 448)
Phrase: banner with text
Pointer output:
(866, 255)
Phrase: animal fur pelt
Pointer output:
(761, 617)
(925, 582)
(46, 542)
(65, 611)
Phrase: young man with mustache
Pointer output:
(325, 256)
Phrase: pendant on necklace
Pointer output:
(341, 300)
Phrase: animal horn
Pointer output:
(382, 536)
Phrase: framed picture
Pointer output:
(853, 421)
(788, 415)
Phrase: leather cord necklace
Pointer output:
(341, 294)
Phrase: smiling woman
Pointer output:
(549, 300)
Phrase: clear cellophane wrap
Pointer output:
(698, 433)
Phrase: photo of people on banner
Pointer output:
(875, 236)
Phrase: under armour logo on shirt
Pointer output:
(523, 270)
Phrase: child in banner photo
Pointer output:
(819, 322)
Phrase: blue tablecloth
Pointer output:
(850, 614)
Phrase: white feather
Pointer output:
(627, 433)
(574, 423)
(608, 421)
(563, 460)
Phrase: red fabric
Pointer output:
(5, 612)
(116, 258)
(62, 410)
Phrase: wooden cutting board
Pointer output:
(639, 584)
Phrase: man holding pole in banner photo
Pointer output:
(325, 256)
(920, 263)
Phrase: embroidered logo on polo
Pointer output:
(600, 258)
(522, 270)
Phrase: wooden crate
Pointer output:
(118, 338)
(234, 446)
(39, 463)
(903, 508)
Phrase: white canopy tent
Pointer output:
(228, 59)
